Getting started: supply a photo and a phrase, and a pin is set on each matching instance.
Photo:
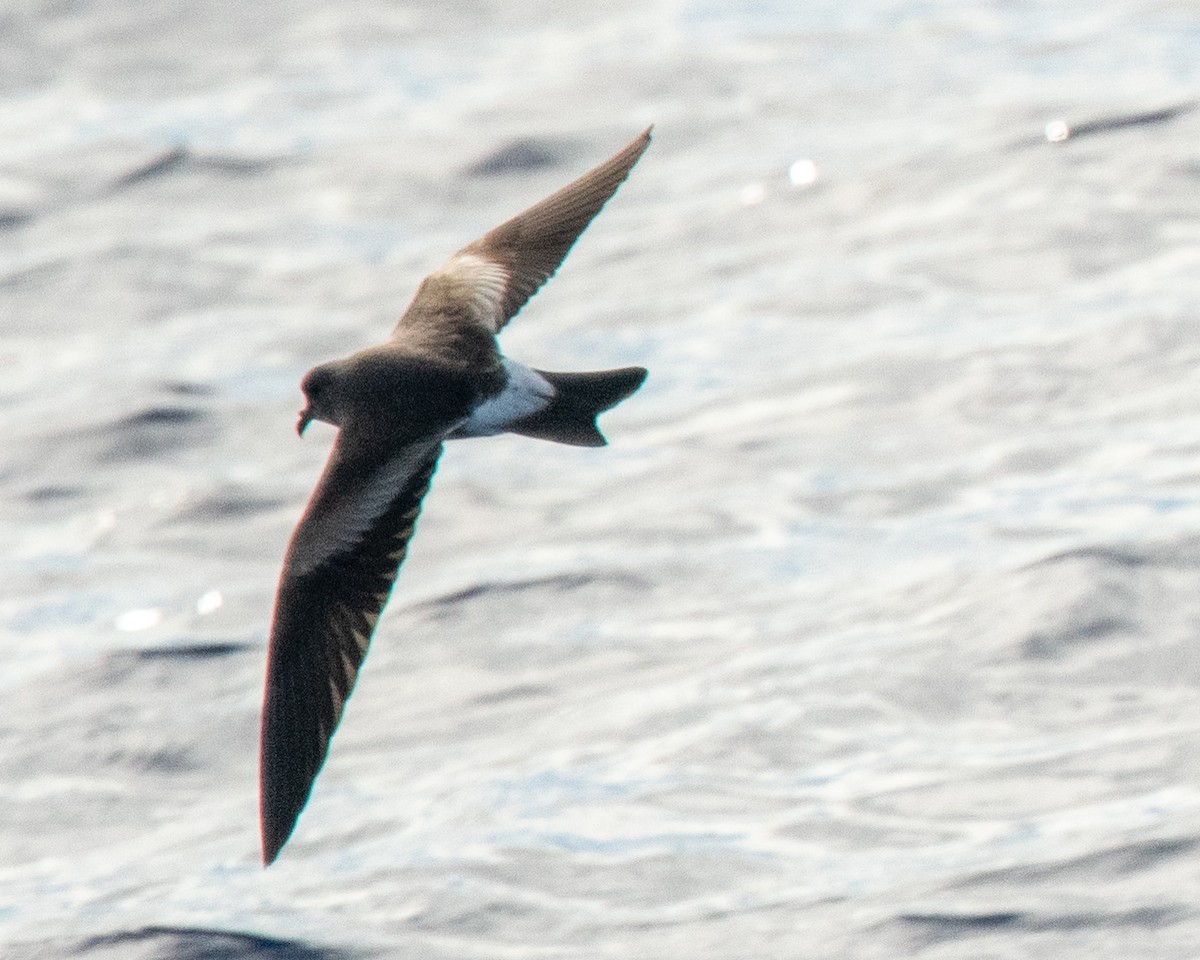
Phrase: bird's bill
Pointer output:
(306, 417)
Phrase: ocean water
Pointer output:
(872, 634)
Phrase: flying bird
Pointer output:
(439, 376)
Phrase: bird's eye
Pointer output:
(314, 384)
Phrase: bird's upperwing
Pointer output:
(493, 277)
(339, 570)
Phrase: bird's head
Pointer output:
(322, 392)
(387, 392)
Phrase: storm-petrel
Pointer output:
(440, 376)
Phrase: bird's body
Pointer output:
(440, 376)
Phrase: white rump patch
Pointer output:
(526, 392)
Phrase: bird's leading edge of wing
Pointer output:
(339, 571)
(497, 274)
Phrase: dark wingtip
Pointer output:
(273, 840)
(278, 809)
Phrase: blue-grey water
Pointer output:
(874, 633)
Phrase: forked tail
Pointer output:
(578, 399)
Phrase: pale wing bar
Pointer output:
(353, 492)
(323, 623)
(532, 244)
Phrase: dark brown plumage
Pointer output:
(439, 376)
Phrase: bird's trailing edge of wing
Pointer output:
(533, 244)
(345, 553)
(324, 618)
(507, 265)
